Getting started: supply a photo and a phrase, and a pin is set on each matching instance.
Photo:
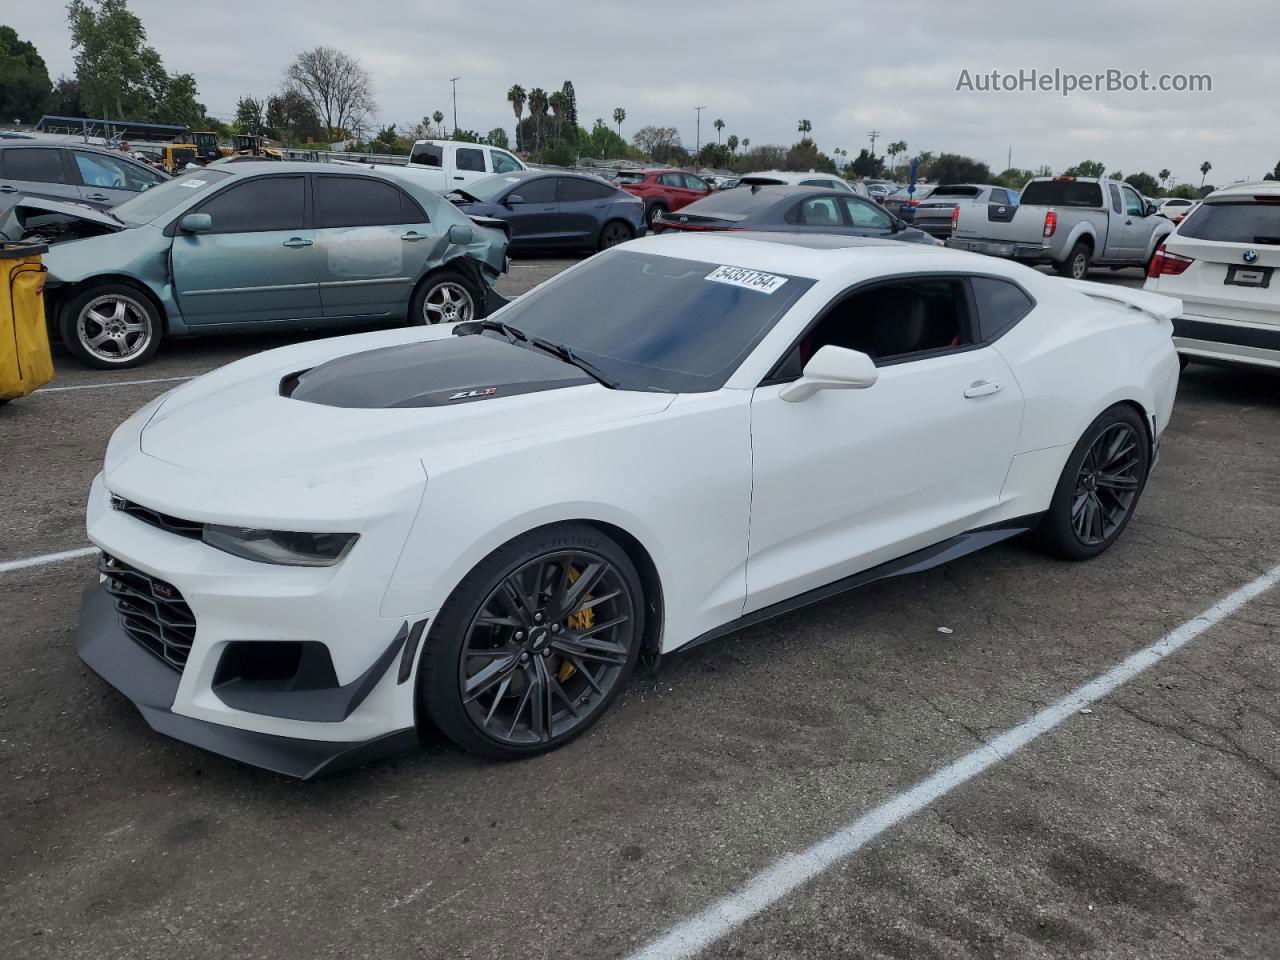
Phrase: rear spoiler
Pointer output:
(1152, 304)
(492, 223)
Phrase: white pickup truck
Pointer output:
(1072, 223)
(445, 165)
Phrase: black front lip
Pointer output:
(151, 686)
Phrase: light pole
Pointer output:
(698, 149)
(454, 81)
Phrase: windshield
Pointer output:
(158, 201)
(658, 323)
(1234, 223)
(1062, 193)
(488, 189)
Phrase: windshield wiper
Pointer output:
(566, 354)
(513, 334)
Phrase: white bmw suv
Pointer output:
(1221, 263)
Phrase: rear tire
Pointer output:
(446, 296)
(613, 233)
(652, 213)
(1076, 266)
(111, 326)
(1100, 486)
(517, 618)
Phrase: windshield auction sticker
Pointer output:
(751, 279)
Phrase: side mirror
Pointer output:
(898, 225)
(832, 368)
(461, 234)
(1150, 210)
(513, 199)
(196, 223)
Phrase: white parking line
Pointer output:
(785, 876)
(8, 566)
(115, 383)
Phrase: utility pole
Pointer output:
(698, 149)
(873, 134)
(454, 81)
(1008, 164)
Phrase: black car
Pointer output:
(545, 210)
(71, 172)
(793, 209)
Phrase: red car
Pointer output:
(662, 190)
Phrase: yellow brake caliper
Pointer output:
(582, 620)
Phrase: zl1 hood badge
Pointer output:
(474, 394)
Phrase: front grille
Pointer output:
(183, 528)
(152, 612)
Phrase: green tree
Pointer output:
(954, 168)
(1164, 176)
(1086, 168)
(618, 116)
(1144, 183)
(570, 105)
(804, 127)
(1013, 178)
(538, 104)
(251, 115)
(746, 142)
(895, 149)
(719, 125)
(559, 104)
(1204, 171)
(65, 99)
(732, 143)
(517, 97)
(120, 76)
(24, 79)
(805, 155)
(1273, 174)
(498, 137)
(866, 165)
(176, 103)
(292, 118)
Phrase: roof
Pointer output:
(1261, 188)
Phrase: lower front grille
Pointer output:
(152, 612)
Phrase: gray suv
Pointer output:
(72, 172)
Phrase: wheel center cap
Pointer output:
(539, 637)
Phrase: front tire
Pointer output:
(445, 297)
(1100, 486)
(1076, 266)
(653, 212)
(534, 644)
(111, 326)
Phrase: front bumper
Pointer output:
(153, 687)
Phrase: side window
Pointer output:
(1001, 304)
(37, 165)
(503, 162)
(574, 189)
(865, 214)
(541, 190)
(1000, 197)
(1133, 204)
(671, 180)
(469, 158)
(427, 155)
(268, 203)
(354, 202)
(695, 183)
(1115, 199)
(819, 212)
(99, 170)
(891, 323)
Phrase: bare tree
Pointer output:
(336, 86)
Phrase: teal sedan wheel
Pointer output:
(111, 326)
(445, 297)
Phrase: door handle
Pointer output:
(459, 178)
(413, 236)
(8, 189)
(982, 388)
(98, 197)
(298, 242)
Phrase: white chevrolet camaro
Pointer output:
(310, 552)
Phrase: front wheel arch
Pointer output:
(68, 292)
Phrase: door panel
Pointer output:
(849, 479)
(533, 223)
(37, 172)
(255, 266)
(106, 181)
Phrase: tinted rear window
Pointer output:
(1001, 304)
(428, 155)
(356, 202)
(658, 323)
(571, 189)
(34, 164)
(739, 202)
(1234, 223)
(957, 192)
(1062, 193)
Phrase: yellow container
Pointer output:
(25, 361)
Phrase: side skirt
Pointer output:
(917, 562)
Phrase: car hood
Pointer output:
(15, 221)
(315, 410)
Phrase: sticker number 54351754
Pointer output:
(751, 279)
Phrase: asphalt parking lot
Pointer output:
(1145, 825)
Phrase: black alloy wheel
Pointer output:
(613, 233)
(1107, 484)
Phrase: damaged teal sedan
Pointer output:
(258, 246)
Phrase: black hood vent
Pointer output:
(433, 373)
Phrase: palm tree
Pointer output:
(804, 128)
(438, 117)
(719, 125)
(516, 97)
(732, 143)
(746, 142)
(1204, 171)
(1164, 175)
(618, 116)
(538, 111)
(559, 104)
(895, 148)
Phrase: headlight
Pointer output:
(280, 546)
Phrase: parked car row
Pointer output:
(72, 172)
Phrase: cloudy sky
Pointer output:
(847, 67)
